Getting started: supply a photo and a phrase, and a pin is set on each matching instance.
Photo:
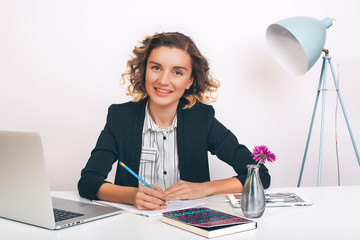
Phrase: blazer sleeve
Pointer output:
(99, 165)
(224, 144)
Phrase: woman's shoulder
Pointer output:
(127, 111)
(198, 106)
(199, 111)
(201, 107)
(127, 106)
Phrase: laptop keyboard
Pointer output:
(61, 215)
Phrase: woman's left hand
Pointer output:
(186, 190)
(189, 190)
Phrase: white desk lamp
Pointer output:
(297, 43)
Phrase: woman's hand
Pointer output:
(186, 190)
(147, 198)
(189, 190)
(141, 197)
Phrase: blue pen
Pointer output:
(135, 175)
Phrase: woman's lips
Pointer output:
(162, 90)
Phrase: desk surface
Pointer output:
(334, 215)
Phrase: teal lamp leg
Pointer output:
(322, 124)
(343, 109)
(323, 81)
(312, 122)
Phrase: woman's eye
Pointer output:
(178, 73)
(157, 68)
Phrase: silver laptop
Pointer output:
(24, 187)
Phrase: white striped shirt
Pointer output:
(159, 164)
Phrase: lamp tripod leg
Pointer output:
(322, 125)
(343, 109)
(312, 123)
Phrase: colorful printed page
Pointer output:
(205, 217)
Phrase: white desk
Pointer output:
(334, 215)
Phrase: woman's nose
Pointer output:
(164, 78)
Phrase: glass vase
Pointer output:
(253, 195)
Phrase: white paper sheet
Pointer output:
(171, 206)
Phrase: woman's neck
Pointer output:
(162, 116)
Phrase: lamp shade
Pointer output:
(297, 42)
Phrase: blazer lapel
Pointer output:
(136, 141)
(181, 139)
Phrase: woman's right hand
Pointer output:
(149, 199)
(141, 197)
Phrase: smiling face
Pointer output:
(168, 75)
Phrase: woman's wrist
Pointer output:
(224, 186)
(115, 193)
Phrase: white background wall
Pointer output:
(61, 63)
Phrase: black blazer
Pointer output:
(198, 132)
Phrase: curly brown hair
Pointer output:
(203, 87)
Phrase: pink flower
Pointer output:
(261, 154)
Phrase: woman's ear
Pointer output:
(189, 83)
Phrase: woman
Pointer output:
(165, 133)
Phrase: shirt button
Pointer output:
(164, 137)
(165, 172)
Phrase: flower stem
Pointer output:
(249, 183)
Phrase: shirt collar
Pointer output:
(149, 123)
